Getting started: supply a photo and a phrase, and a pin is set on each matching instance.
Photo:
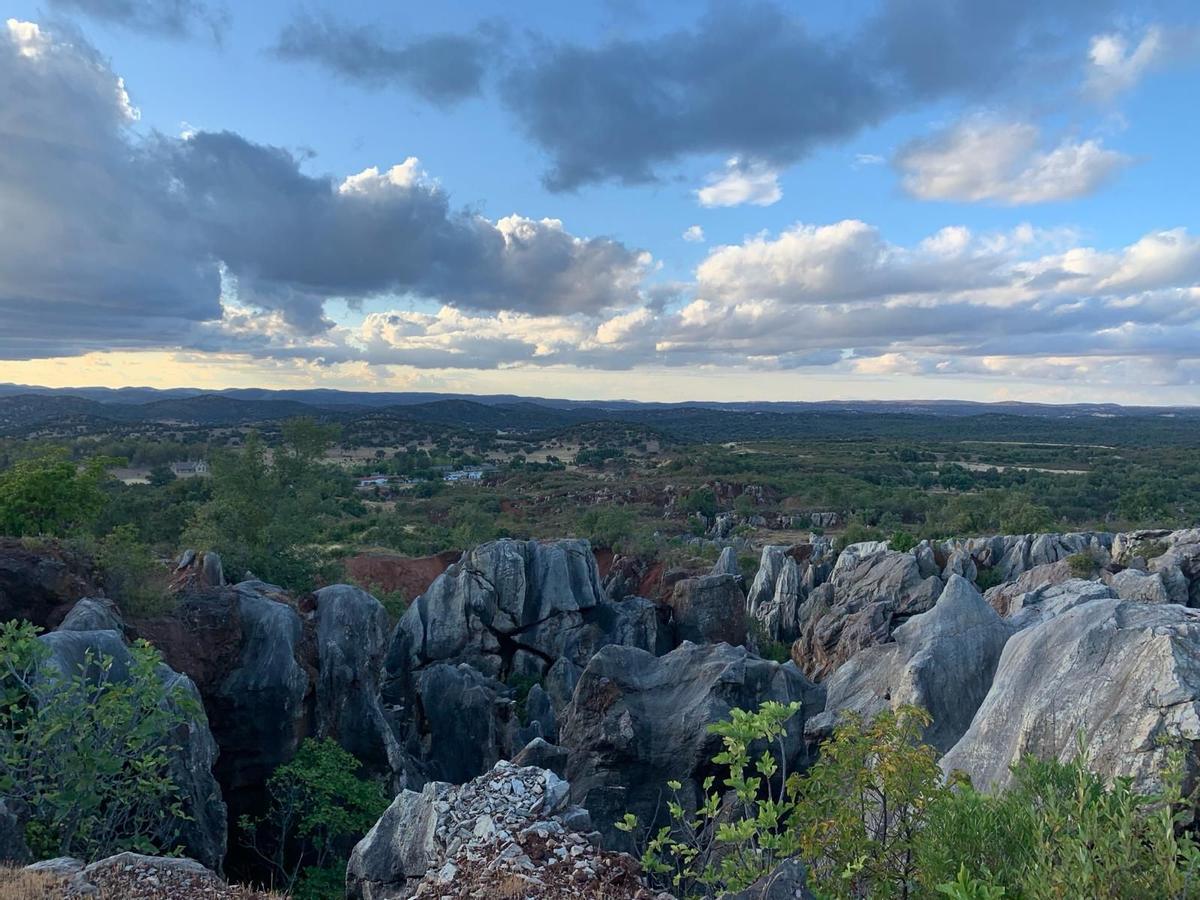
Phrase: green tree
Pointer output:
(87, 754)
(51, 495)
(319, 807)
(701, 500)
(266, 508)
(131, 574)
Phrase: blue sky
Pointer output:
(907, 199)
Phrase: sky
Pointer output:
(611, 199)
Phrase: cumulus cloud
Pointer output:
(980, 159)
(741, 182)
(694, 234)
(441, 68)
(133, 242)
(752, 81)
(170, 18)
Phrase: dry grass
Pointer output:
(17, 884)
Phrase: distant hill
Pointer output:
(25, 410)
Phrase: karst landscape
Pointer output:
(607, 450)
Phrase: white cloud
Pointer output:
(981, 159)
(868, 159)
(694, 234)
(369, 181)
(740, 182)
(1115, 66)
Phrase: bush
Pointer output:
(1082, 565)
(873, 817)
(131, 574)
(319, 808)
(901, 541)
(988, 578)
(87, 755)
(701, 500)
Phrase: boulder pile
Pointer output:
(509, 833)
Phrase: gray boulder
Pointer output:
(1121, 674)
(727, 564)
(1146, 587)
(258, 708)
(202, 830)
(870, 593)
(93, 614)
(942, 660)
(762, 588)
(1054, 599)
(637, 721)
(352, 639)
(709, 609)
(399, 849)
(464, 722)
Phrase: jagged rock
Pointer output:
(727, 564)
(1054, 599)
(637, 721)
(540, 712)
(400, 848)
(560, 682)
(464, 722)
(788, 881)
(1121, 674)
(12, 837)
(709, 609)
(942, 660)
(1011, 596)
(869, 594)
(352, 640)
(543, 755)
(59, 866)
(40, 583)
(93, 614)
(501, 597)
(197, 571)
(926, 560)
(202, 831)
(258, 706)
(1130, 584)
(762, 589)
(959, 563)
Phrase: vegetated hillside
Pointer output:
(1096, 424)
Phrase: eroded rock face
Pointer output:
(40, 583)
(709, 609)
(1120, 673)
(870, 593)
(501, 598)
(352, 639)
(942, 660)
(203, 831)
(258, 708)
(1147, 587)
(509, 831)
(636, 721)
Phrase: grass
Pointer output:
(18, 884)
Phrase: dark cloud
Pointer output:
(123, 242)
(751, 80)
(441, 68)
(171, 18)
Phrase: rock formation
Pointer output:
(1120, 674)
(637, 721)
(942, 660)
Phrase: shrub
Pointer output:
(701, 500)
(1082, 565)
(709, 850)
(318, 809)
(988, 578)
(87, 754)
(858, 812)
(131, 573)
(901, 541)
